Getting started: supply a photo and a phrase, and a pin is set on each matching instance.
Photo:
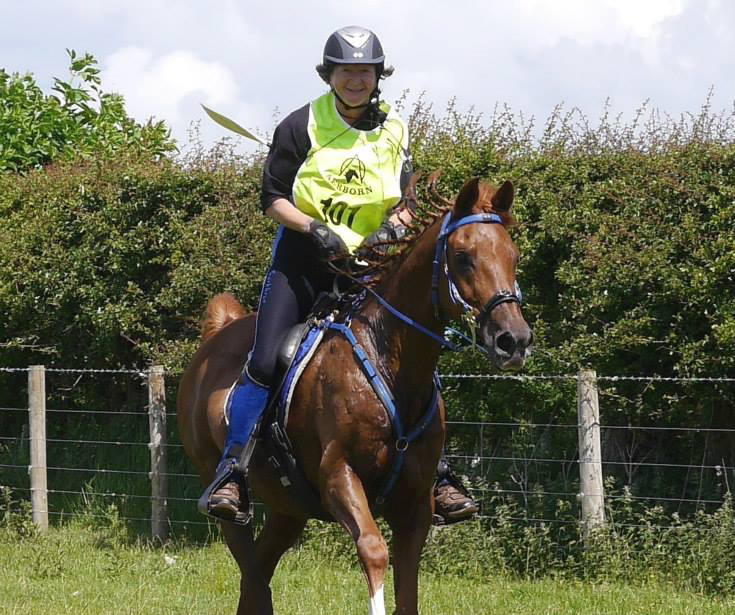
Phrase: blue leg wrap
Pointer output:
(247, 403)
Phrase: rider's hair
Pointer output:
(325, 71)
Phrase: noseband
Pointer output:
(440, 253)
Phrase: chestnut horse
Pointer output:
(340, 431)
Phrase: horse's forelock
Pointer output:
(484, 198)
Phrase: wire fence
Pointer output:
(533, 467)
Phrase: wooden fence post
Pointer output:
(37, 426)
(592, 493)
(157, 426)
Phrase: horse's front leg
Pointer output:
(410, 524)
(344, 497)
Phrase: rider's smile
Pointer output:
(354, 83)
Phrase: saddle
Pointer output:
(290, 344)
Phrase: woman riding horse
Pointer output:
(333, 180)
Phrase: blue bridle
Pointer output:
(440, 254)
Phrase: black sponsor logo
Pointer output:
(353, 169)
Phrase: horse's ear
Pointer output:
(502, 200)
(467, 197)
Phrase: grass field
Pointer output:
(78, 570)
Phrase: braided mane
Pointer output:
(379, 262)
(384, 254)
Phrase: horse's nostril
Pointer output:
(506, 342)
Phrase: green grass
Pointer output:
(77, 569)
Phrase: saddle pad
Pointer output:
(298, 365)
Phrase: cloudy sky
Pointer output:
(254, 61)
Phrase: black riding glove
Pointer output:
(386, 232)
(328, 243)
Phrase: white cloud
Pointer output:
(601, 21)
(246, 59)
(644, 18)
(162, 86)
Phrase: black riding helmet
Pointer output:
(353, 45)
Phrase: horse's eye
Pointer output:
(464, 260)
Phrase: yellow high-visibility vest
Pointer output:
(351, 178)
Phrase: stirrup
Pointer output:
(228, 470)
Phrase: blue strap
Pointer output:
(373, 376)
(402, 446)
(442, 341)
(436, 264)
(450, 228)
(386, 398)
(428, 417)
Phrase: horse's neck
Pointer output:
(407, 356)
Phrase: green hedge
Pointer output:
(110, 263)
(627, 264)
(628, 256)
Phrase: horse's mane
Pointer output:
(423, 217)
(380, 263)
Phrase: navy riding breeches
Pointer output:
(294, 280)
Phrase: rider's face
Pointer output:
(354, 82)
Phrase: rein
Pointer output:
(442, 341)
(440, 253)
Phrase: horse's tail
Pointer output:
(221, 310)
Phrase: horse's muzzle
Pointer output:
(509, 347)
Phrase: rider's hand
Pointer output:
(328, 243)
(386, 232)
